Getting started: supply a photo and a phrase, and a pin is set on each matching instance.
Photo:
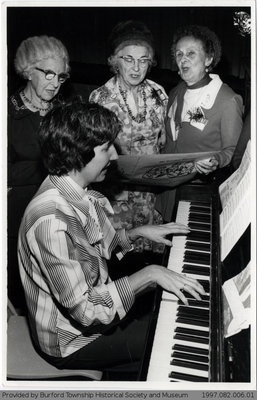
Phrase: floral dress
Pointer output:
(146, 135)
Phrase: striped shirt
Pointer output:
(64, 240)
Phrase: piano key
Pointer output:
(196, 303)
(196, 332)
(201, 258)
(182, 377)
(190, 349)
(190, 297)
(187, 370)
(187, 356)
(192, 310)
(199, 227)
(197, 270)
(205, 247)
(191, 338)
(190, 365)
(199, 236)
(195, 209)
(203, 218)
(192, 321)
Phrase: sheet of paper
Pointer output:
(236, 302)
(228, 187)
(235, 194)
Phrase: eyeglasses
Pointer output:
(131, 61)
(49, 75)
(190, 55)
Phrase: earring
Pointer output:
(178, 72)
(206, 69)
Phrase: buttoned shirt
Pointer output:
(64, 240)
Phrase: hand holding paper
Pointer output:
(206, 166)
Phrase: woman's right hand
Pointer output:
(176, 283)
(169, 280)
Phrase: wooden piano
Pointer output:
(186, 344)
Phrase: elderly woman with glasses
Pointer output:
(203, 114)
(43, 62)
(140, 104)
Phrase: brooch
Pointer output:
(196, 115)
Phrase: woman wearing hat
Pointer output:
(140, 104)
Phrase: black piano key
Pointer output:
(199, 227)
(187, 377)
(205, 284)
(196, 271)
(202, 218)
(199, 236)
(197, 257)
(196, 303)
(190, 349)
(192, 357)
(189, 364)
(197, 246)
(200, 203)
(189, 296)
(193, 321)
(188, 331)
(196, 209)
(191, 339)
(193, 312)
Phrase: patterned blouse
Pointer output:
(136, 138)
(134, 208)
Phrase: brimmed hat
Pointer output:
(129, 32)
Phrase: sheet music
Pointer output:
(237, 302)
(235, 196)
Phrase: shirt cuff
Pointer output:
(125, 243)
(122, 295)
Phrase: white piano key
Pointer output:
(159, 366)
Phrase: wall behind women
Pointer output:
(84, 30)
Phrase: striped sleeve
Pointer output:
(122, 295)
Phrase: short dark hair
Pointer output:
(70, 132)
(209, 39)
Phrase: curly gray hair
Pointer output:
(37, 48)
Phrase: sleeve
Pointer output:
(77, 282)
(26, 171)
(231, 126)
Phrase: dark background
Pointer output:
(84, 31)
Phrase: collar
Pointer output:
(91, 207)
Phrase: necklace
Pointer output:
(24, 97)
(141, 116)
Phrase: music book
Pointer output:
(235, 196)
(160, 169)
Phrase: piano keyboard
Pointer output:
(181, 346)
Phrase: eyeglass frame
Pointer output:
(131, 61)
(62, 76)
